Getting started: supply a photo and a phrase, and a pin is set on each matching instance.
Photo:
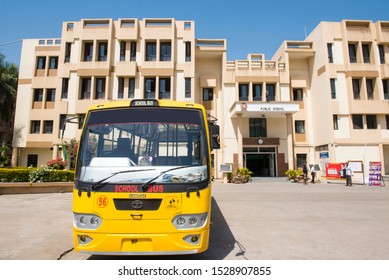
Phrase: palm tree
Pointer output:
(8, 86)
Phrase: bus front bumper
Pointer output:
(192, 242)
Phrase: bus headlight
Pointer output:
(86, 221)
(188, 221)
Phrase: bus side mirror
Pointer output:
(214, 134)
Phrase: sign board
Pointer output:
(334, 171)
(225, 168)
(375, 178)
(324, 155)
(356, 166)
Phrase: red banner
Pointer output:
(334, 171)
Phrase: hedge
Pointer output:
(23, 175)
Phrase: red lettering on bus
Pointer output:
(125, 188)
(134, 188)
(155, 188)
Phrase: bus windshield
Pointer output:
(138, 144)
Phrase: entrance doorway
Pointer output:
(262, 164)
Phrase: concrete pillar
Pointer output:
(240, 141)
(289, 140)
(55, 151)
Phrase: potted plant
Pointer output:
(293, 175)
(241, 175)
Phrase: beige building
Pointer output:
(325, 99)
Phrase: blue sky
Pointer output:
(250, 26)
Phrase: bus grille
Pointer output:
(137, 204)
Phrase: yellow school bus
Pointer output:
(143, 179)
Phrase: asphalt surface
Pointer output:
(257, 221)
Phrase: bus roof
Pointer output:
(162, 103)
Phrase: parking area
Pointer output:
(257, 221)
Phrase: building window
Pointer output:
(122, 51)
(149, 88)
(301, 160)
(133, 51)
(47, 127)
(352, 52)
(165, 51)
(333, 88)
(35, 127)
(299, 127)
(357, 121)
(370, 89)
(164, 88)
(381, 49)
(330, 53)
(65, 88)
(70, 26)
(131, 87)
(53, 62)
(88, 51)
(85, 88)
(335, 122)
(270, 92)
(366, 53)
(297, 94)
(100, 88)
(50, 95)
(120, 88)
(356, 89)
(243, 92)
(257, 92)
(385, 84)
(371, 121)
(151, 51)
(68, 50)
(207, 94)
(188, 87)
(188, 51)
(41, 62)
(257, 127)
(102, 51)
(187, 25)
(38, 95)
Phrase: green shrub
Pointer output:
(42, 174)
(14, 174)
(241, 175)
(293, 174)
(49, 174)
(61, 176)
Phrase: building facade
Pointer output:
(324, 99)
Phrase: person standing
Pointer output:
(313, 173)
(349, 174)
(305, 173)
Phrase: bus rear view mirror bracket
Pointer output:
(214, 134)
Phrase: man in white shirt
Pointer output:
(349, 174)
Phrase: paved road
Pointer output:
(263, 220)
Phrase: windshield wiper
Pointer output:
(145, 185)
(94, 186)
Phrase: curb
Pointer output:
(26, 187)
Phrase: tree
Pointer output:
(8, 86)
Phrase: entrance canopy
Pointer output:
(249, 109)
